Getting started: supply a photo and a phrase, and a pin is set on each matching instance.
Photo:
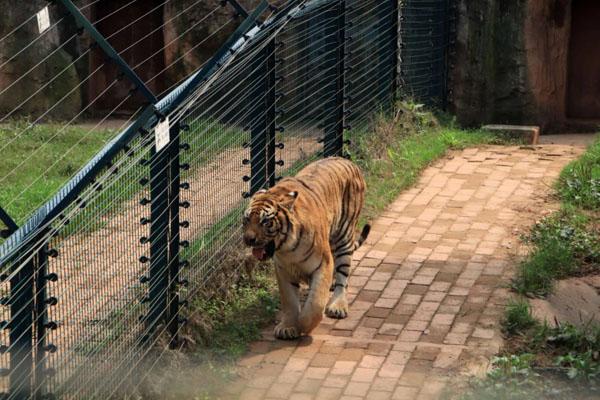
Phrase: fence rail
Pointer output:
(99, 275)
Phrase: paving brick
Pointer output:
(405, 393)
(357, 389)
(366, 375)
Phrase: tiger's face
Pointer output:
(266, 223)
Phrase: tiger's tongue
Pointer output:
(259, 253)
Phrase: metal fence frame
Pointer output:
(28, 280)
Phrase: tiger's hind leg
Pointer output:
(338, 305)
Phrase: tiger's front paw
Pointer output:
(337, 309)
(286, 332)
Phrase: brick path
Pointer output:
(427, 289)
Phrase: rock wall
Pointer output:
(511, 62)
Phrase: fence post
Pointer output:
(159, 238)
(395, 48)
(335, 124)
(21, 328)
(259, 125)
(175, 243)
(271, 110)
(42, 302)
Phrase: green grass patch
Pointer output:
(518, 317)
(28, 179)
(579, 182)
(226, 325)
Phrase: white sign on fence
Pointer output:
(161, 134)
(43, 19)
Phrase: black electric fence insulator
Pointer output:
(51, 301)
(184, 303)
(280, 61)
(144, 221)
(280, 129)
(184, 127)
(184, 204)
(51, 325)
(4, 372)
(185, 186)
(280, 163)
(184, 224)
(144, 132)
(145, 300)
(143, 162)
(280, 146)
(348, 98)
(279, 95)
(185, 166)
(246, 178)
(144, 201)
(144, 181)
(4, 233)
(51, 277)
(277, 179)
(321, 140)
(182, 320)
(3, 349)
(246, 195)
(144, 240)
(185, 244)
(99, 187)
(184, 146)
(279, 78)
(144, 259)
(3, 277)
(184, 264)
(347, 127)
(348, 142)
(80, 31)
(4, 301)
(144, 279)
(245, 145)
(280, 111)
(245, 161)
(50, 348)
(52, 253)
(347, 112)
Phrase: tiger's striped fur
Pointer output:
(308, 225)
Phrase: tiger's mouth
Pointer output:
(264, 253)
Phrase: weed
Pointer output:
(518, 317)
(563, 244)
(580, 365)
(579, 182)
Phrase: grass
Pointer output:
(579, 183)
(29, 182)
(518, 317)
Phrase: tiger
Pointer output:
(307, 225)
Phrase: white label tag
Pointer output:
(43, 19)
(161, 134)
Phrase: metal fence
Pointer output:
(100, 275)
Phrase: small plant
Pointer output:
(518, 317)
(579, 183)
(513, 366)
(580, 365)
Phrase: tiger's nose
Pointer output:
(249, 238)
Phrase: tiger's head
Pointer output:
(267, 222)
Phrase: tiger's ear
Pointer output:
(289, 200)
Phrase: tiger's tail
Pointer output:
(363, 236)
